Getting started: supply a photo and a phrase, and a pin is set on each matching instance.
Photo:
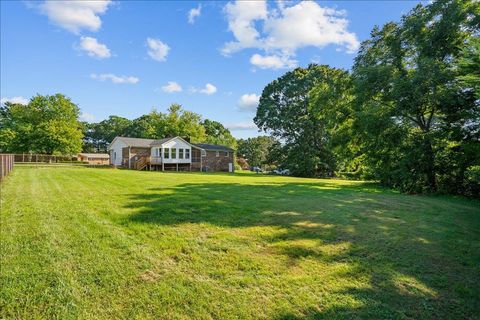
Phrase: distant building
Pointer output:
(169, 154)
(94, 158)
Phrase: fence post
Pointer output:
(6, 164)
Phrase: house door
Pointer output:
(230, 167)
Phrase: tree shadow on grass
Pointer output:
(406, 247)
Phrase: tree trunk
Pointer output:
(430, 166)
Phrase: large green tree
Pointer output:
(47, 124)
(412, 113)
(216, 133)
(176, 122)
(99, 135)
(291, 109)
(183, 123)
(256, 151)
(468, 66)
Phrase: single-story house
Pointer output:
(94, 158)
(169, 154)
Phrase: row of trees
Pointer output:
(47, 124)
(156, 125)
(50, 125)
(407, 115)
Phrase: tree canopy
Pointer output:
(47, 124)
(256, 151)
(216, 133)
(293, 109)
(408, 114)
(156, 125)
(413, 114)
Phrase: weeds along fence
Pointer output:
(6, 165)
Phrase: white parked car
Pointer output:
(284, 172)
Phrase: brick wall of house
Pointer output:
(213, 163)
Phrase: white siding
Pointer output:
(178, 144)
(115, 151)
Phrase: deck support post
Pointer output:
(177, 166)
(129, 166)
(162, 150)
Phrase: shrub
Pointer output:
(472, 181)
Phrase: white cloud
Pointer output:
(157, 49)
(280, 31)
(75, 15)
(172, 87)
(88, 117)
(208, 89)
(241, 126)
(20, 100)
(272, 62)
(93, 48)
(115, 79)
(248, 102)
(241, 22)
(194, 13)
(309, 24)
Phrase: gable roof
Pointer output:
(212, 147)
(147, 143)
(134, 142)
(162, 141)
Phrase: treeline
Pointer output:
(407, 115)
(156, 125)
(47, 125)
(51, 125)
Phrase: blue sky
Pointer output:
(214, 58)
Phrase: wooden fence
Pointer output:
(6, 165)
(42, 158)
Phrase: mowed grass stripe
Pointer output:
(101, 244)
(106, 257)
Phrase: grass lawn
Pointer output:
(115, 244)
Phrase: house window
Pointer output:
(204, 153)
(226, 154)
(114, 155)
(174, 153)
(217, 154)
(180, 153)
(166, 153)
(187, 153)
(157, 152)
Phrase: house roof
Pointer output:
(212, 147)
(136, 142)
(146, 143)
(161, 141)
(95, 155)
